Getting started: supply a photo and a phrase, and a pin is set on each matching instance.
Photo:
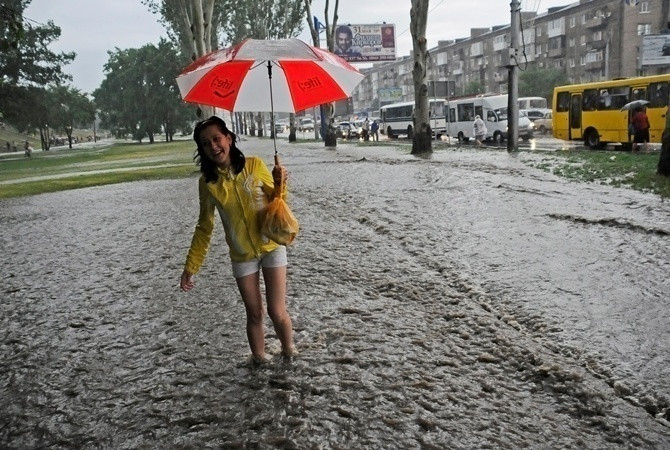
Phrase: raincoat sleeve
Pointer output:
(268, 182)
(203, 230)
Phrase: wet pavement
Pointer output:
(464, 300)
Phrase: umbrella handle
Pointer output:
(280, 185)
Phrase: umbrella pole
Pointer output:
(272, 111)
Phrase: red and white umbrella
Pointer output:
(236, 78)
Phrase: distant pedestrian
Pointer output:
(479, 130)
(9, 147)
(640, 123)
(28, 150)
(375, 130)
(238, 187)
(366, 129)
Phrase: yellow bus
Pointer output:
(591, 112)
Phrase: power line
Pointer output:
(406, 30)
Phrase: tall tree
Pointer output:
(138, 95)
(541, 82)
(328, 109)
(195, 26)
(26, 63)
(72, 108)
(422, 138)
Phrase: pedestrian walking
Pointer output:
(640, 123)
(239, 187)
(27, 150)
(366, 129)
(479, 130)
(375, 130)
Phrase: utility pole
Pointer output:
(513, 79)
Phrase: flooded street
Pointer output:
(465, 300)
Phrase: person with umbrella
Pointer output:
(640, 123)
(239, 188)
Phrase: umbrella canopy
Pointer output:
(634, 104)
(236, 78)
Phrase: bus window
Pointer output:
(638, 94)
(590, 99)
(562, 101)
(466, 112)
(658, 94)
(491, 116)
(605, 100)
(479, 111)
(452, 114)
(613, 98)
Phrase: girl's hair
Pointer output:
(207, 166)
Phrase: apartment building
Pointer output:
(590, 40)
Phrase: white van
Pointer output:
(493, 111)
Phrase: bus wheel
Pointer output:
(543, 129)
(497, 137)
(592, 140)
(389, 133)
(410, 132)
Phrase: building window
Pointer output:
(583, 19)
(598, 36)
(582, 40)
(571, 42)
(644, 7)
(643, 28)
(572, 21)
(572, 62)
(582, 61)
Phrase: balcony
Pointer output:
(556, 52)
(594, 65)
(596, 22)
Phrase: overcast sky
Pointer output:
(91, 28)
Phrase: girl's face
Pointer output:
(216, 145)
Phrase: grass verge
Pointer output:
(72, 169)
(611, 168)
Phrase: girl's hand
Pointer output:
(279, 174)
(186, 283)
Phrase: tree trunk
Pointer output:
(330, 139)
(291, 128)
(664, 158)
(421, 140)
(259, 124)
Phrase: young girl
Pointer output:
(239, 188)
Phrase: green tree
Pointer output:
(71, 109)
(541, 82)
(26, 63)
(138, 95)
(474, 87)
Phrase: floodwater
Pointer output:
(464, 300)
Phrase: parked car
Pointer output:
(534, 114)
(544, 124)
(345, 130)
(306, 125)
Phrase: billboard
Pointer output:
(390, 95)
(656, 50)
(365, 43)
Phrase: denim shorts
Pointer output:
(275, 258)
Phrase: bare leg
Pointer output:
(275, 291)
(250, 289)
